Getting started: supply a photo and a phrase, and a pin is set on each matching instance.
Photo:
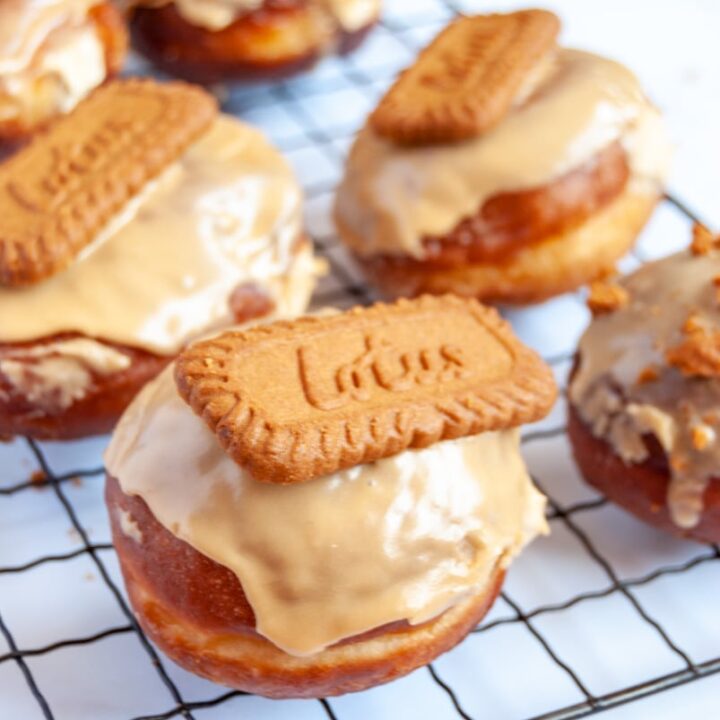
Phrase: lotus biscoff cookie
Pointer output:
(502, 166)
(138, 222)
(350, 486)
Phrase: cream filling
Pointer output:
(353, 15)
(129, 526)
(226, 213)
(79, 63)
(617, 348)
(58, 374)
(215, 15)
(65, 66)
(391, 196)
(400, 539)
(26, 25)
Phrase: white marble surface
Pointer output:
(504, 671)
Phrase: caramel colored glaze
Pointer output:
(239, 51)
(113, 34)
(197, 612)
(512, 220)
(641, 488)
(108, 396)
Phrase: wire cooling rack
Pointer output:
(604, 612)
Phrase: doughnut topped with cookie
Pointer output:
(137, 223)
(216, 40)
(52, 54)
(502, 166)
(645, 396)
(348, 485)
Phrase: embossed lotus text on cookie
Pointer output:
(380, 366)
(467, 79)
(296, 400)
(58, 192)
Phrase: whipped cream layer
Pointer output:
(403, 538)
(228, 212)
(576, 105)
(55, 375)
(215, 15)
(624, 387)
(50, 53)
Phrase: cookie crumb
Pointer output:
(606, 297)
(702, 436)
(693, 324)
(698, 354)
(647, 375)
(38, 478)
(703, 241)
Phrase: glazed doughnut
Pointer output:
(545, 199)
(247, 39)
(215, 239)
(52, 54)
(645, 395)
(291, 553)
(213, 633)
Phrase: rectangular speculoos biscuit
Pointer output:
(467, 79)
(58, 192)
(296, 400)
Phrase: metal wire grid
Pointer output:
(347, 290)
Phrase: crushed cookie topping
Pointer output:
(694, 324)
(648, 374)
(606, 297)
(703, 240)
(698, 354)
(702, 436)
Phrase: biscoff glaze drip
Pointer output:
(228, 212)
(576, 105)
(216, 15)
(625, 387)
(402, 538)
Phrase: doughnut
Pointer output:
(212, 236)
(210, 41)
(272, 542)
(644, 397)
(213, 634)
(543, 192)
(52, 54)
